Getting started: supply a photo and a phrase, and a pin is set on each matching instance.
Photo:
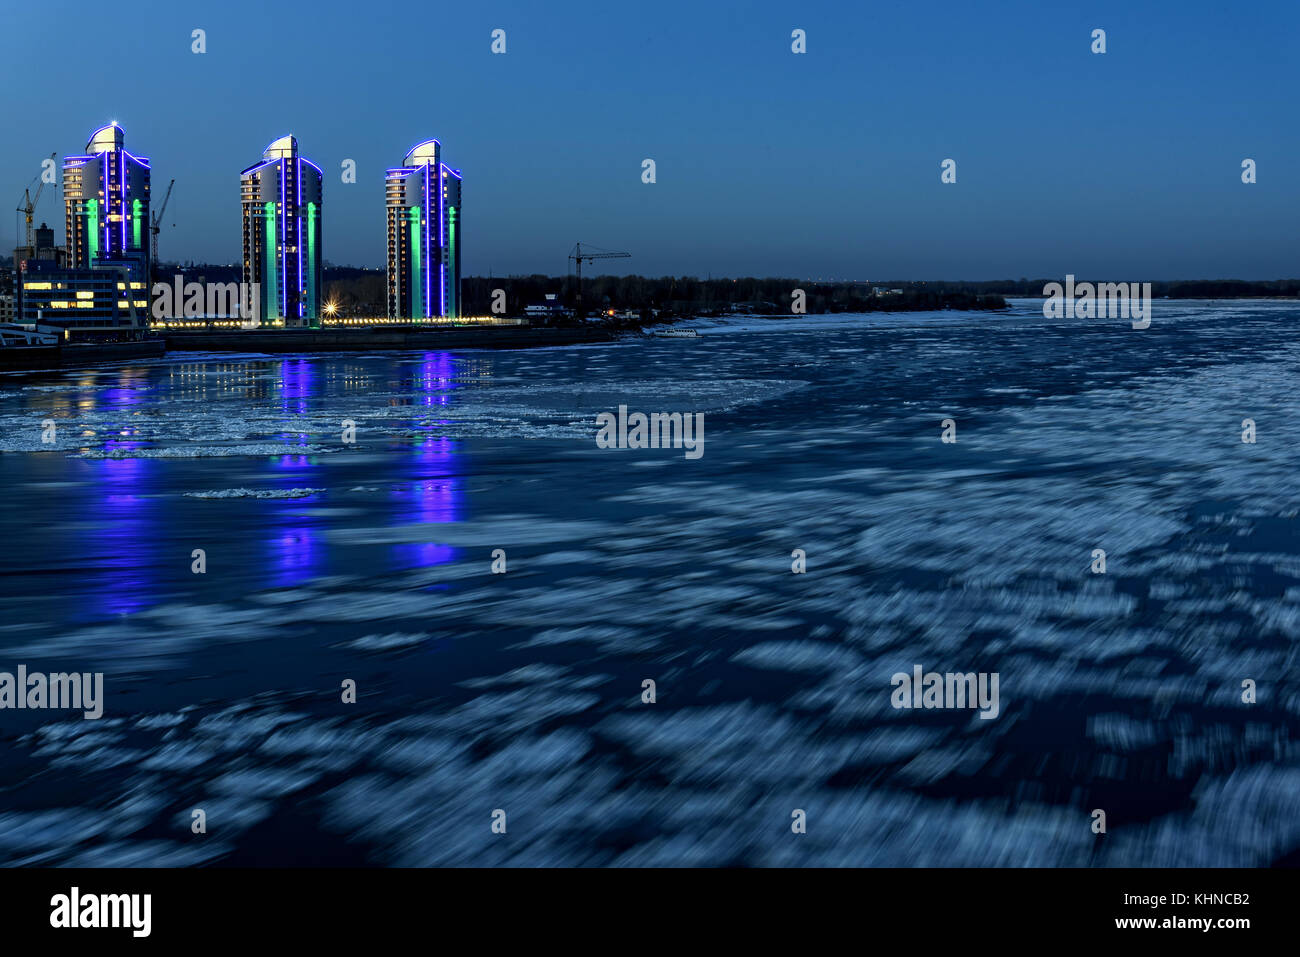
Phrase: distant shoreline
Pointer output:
(1196, 298)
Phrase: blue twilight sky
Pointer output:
(1125, 165)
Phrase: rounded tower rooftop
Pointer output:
(421, 153)
(285, 146)
(109, 137)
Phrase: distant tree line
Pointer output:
(689, 295)
(1172, 288)
(360, 291)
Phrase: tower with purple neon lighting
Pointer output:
(106, 203)
(281, 198)
(424, 233)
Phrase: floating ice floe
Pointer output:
(256, 493)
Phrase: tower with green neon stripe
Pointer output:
(106, 206)
(422, 197)
(281, 199)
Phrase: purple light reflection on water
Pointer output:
(295, 543)
(117, 398)
(435, 498)
(292, 462)
(133, 388)
(298, 383)
(121, 534)
(435, 492)
(296, 553)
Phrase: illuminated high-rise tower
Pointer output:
(281, 197)
(106, 200)
(424, 232)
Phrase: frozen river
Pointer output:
(372, 562)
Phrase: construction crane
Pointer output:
(29, 201)
(157, 221)
(578, 256)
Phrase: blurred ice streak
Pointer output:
(521, 691)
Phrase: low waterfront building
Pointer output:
(106, 302)
(552, 308)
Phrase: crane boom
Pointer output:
(578, 256)
(157, 221)
(29, 201)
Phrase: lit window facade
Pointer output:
(106, 204)
(281, 198)
(424, 236)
